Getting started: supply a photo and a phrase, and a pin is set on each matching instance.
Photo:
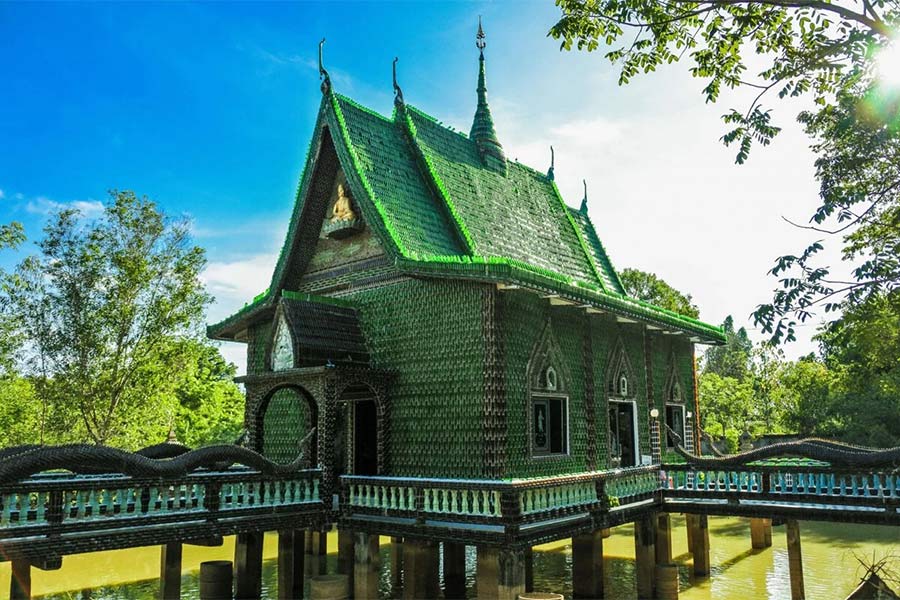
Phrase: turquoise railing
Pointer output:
(54, 500)
(821, 483)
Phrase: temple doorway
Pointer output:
(623, 441)
(365, 438)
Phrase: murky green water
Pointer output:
(830, 563)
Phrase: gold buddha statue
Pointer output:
(342, 210)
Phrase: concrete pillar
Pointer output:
(795, 559)
(700, 543)
(667, 581)
(290, 564)
(421, 563)
(760, 533)
(345, 554)
(663, 538)
(170, 571)
(645, 555)
(529, 569)
(454, 570)
(587, 565)
(500, 573)
(396, 554)
(689, 525)
(316, 544)
(20, 582)
(366, 565)
(216, 580)
(248, 549)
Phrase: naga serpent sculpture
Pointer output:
(834, 453)
(165, 461)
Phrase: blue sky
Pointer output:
(208, 109)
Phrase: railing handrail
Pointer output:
(499, 484)
(818, 469)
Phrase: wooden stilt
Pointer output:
(700, 538)
(396, 554)
(248, 550)
(420, 569)
(645, 555)
(500, 573)
(795, 559)
(366, 565)
(345, 560)
(454, 570)
(316, 544)
(20, 582)
(529, 569)
(663, 539)
(760, 533)
(216, 579)
(587, 565)
(290, 564)
(689, 525)
(170, 571)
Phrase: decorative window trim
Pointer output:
(674, 390)
(547, 377)
(620, 377)
(281, 327)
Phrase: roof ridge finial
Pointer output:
(323, 74)
(398, 93)
(583, 208)
(552, 164)
(479, 38)
(482, 132)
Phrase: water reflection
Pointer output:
(829, 557)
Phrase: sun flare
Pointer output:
(889, 64)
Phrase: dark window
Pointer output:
(675, 422)
(550, 425)
(622, 435)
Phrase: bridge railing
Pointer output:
(822, 485)
(51, 503)
(498, 501)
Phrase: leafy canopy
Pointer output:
(826, 50)
(650, 288)
(99, 308)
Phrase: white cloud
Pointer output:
(235, 283)
(666, 196)
(43, 206)
(2, 195)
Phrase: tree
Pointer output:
(863, 349)
(826, 50)
(733, 358)
(650, 288)
(809, 387)
(726, 407)
(99, 308)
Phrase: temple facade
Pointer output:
(439, 311)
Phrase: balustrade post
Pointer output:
(55, 508)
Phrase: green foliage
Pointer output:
(20, 412)
(822, 50)
(99, 308)
(726, 407)
(650, 288)
(733, 358)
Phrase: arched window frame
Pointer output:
(548, 400)
(675, 413)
